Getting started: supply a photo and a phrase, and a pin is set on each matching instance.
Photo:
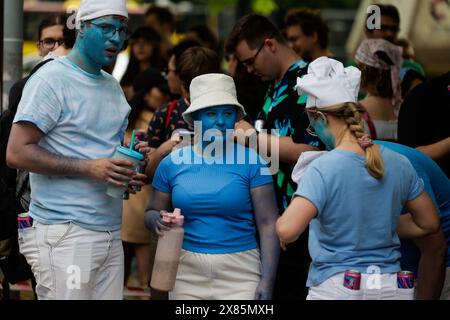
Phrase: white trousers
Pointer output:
(73, 263)
(232, 276)
(382, 288)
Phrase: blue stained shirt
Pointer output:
(357, 215)
(437, 185)
(83, 116)
(215, 199)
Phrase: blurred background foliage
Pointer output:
(267, 7)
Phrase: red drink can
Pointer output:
(405, 280)
(24, 221)
(352, 280)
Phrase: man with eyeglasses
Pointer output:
(71, 118)
(389, 30)
(50, 34)
(260, 47)
(389, 26)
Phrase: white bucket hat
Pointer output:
(328, 83)
(93, 9)
(210, 90)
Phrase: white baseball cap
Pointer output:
(210, 90)
(328, 83)
(92, 9)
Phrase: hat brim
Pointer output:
(101, 13)
(213, 99)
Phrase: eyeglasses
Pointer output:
(166, 71)
(392, 28)
(109, 30)
(310, 130)
(50, 43)
(251, 61)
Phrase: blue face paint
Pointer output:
(220, 120)
(323, 132)
(99, 43)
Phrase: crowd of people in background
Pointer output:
(364, 158)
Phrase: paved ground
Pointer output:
(23, 291)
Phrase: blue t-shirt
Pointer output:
(215, 199)
(357, 215)
(437, 185)
(82, 116)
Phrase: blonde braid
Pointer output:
(352, 117)
(374, 161)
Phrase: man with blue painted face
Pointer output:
(70, 120)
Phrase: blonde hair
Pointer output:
(351, 114)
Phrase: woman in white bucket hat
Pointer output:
(225, 197)
(352, 197)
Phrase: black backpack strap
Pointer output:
(38, 66)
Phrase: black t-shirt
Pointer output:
(424, 117)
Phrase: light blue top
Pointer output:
(215, 200)
(437, 185)
(355, 226)
(83, 116)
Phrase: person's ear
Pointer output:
(81, 31)
(323, 117)
(185, 94)
(315, 37)
(271, 45)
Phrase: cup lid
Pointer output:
(130, 153)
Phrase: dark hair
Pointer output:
(143, 83)
(310, 21)
(251, 92)
(197, 61)
(54, 20)
(253, 29)
(387, 10)
(181, 47)
(205, 36)
(408, 80)
(156, 60)
(163, 15)
(378, 80)
(70, 36)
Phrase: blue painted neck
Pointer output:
(80, 58)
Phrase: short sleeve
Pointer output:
(312, 187)
(39, 105)
(161, 180)
(259, 173)
(156, 127)
(416, 186)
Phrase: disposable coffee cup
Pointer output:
(133, 156)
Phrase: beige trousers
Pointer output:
(217, 276)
